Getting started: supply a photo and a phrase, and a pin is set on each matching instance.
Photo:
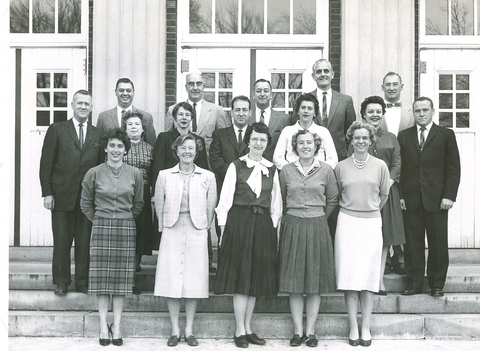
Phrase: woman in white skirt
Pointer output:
(363, 184)
(185, 199)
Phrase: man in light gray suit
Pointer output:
(208, 116)
(110, 119)
(275, 120)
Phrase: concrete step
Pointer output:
(44, 254)
(37, 276)
(40, 300)
(222, 325)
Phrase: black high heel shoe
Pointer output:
(105, 342)
(116, 342)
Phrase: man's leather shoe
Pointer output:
(81, 289)
(136, 291)
(388, 269)
(173, 341)
(296, 340)
(254, 339)
(436, 292)
(411, 291)
(399, 268)
(240, 341)
(61, 290)
(311, 341)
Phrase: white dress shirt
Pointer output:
(77, 128)
(119, 113)
(266, 115)
(320, 100)
(425, 133)
(392, 118)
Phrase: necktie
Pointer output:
(324, 110)
(80, 135)
(422, 137)
(194, 118)
(262, 116)
(240, 138)
(396, 104)
(124, 112)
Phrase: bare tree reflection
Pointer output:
(460, 20)
(198, 23)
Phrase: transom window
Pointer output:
(286, 88)
(454, 100)
(252, 17)
(452, 17)
(52, 98)
(218, 88)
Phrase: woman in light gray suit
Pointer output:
(185, 199)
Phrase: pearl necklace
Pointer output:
(110, 170)
(360, 164)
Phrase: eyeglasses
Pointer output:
(192, 84)
(258, 140)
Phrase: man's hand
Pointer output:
(402, 205)
(446, 204)
(49, 202)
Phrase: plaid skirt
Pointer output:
(112, 256)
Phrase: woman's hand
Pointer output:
(391, 182)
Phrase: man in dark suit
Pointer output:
(336, 110)
(110, 119)
(70, 149)
(275, 120)
(429, 182)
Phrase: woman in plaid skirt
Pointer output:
(112, 197)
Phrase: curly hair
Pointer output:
(116, 133)
(183, 138)
(360, 125)
(258, 127)
(372, 100)
(129, 115)
(316, 140)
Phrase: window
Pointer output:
(256, 16)
(452, 17)
(454, 100)
(219, 88)
(286, 88)
(51, 92)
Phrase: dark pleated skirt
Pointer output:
(112, 256)
(306, 262)
(392, 219)
(145, 225)
(247, 258)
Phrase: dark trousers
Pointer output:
(67, 226)
(436, 225)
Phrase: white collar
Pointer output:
(251, 163)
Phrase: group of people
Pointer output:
(339, 191)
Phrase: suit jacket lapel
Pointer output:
(232, 137)
(414, 135)
(333, 106)
(114, 117)
(273, 120)
(431, 134)
(73, 134)
(88, 136)
(204, 116)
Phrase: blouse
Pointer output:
(106, 196)
(310, 195)
(140, 156)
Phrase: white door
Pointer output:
(50, 77)
(452, 80)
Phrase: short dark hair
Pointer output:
(116, 133)
(360, 125)
(372, 100)
(82, 92)
(186, 106)
(124, 80)
(422, 98)
(241, 98)
(258, 127)
(183, 138)
(307, 97)
(316, 139)
(261, 80)
(129, 115)
(391, 73)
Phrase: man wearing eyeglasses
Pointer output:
(208, 116)
(110, 119)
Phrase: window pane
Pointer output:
(463, 100)
(304, 20)
(210, 97)
(43, 16)
(69, 16)
(43, 118)
(209, 80)
(59, 116)
(295, 81)
(43, 99)
(278, 80)
(292, 98)
(445, 82)
(462, 17)
(445, 119)
(225, 99)
(200, 16)
(278, 100)
(19, 15)
(60, 99)
(225, 80)
(463, 120)
(463, 82)
(252, 16)
(43, 80)
(445, 100)
(226, 16)
(278, 17)
(436, 17)
(60, 80)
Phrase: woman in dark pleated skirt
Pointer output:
(248, 212)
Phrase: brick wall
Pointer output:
(417, 52)
(171, 52)
(335, 41)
